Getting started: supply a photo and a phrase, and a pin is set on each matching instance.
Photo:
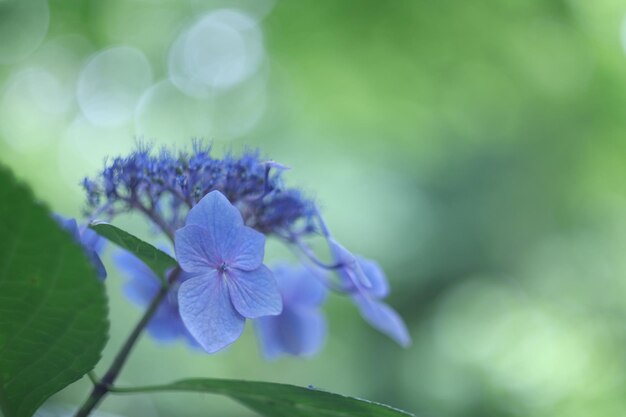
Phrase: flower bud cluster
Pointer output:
(165, 185)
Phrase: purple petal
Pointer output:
(294, 332)
(89, 240)
(101, 271)
(190, 340)
(383, 318)
(309, 291)
(92, 240)
(303, 332)
(300, 285)
(166, 325)
(216, 214)
(267, 335)
(379, 285)
(69, 224)
(254, 293)
(208, 313)
(351, 271)
(246, 250)
(196, 249)
(142, 285)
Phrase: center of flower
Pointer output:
(223, 267)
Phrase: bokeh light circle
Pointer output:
(110, 85)
(220, 50)
(239, 110)
(84, 146)
(33, 109)
(520, 347)
(166, 114)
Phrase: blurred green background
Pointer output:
(476, 149)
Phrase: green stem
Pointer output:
(104, 386)
(135, 390)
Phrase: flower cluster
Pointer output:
(217, 213)
(165, 185)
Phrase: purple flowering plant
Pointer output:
(216, 214)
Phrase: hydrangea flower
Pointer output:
(218, 211)
(300, 329)
(227, 280)
(141, 287)
(90, 241)
(367, 285)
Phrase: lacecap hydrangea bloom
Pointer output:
(218, 212)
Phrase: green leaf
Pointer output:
(281, 400)
(53, 308)
(157, 260)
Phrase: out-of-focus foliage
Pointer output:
(281, 400)
(53, 312)
(477, 149)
